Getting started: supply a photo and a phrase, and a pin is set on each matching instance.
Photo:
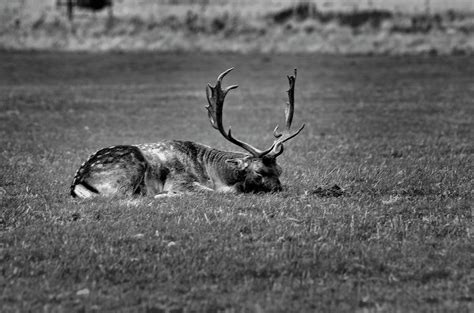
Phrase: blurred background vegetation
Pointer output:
(330, 26)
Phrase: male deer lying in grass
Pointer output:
(175, 167)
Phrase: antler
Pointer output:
(277, 147)
(215, 97)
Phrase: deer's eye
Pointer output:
(260, 172)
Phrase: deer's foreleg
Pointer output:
(181, 188)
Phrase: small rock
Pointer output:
(391, 200)
(83, 292)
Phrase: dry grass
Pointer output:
(233, 27)
(394, 132)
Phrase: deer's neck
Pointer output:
(214, 163)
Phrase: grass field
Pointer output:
(396, 133)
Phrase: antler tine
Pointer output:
(290, 105)
(214, 92)
(277, 147)
(223, 74)
(215, 98)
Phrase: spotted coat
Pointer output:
(172, 167)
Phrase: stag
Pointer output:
(176, 167)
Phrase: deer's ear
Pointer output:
(239, 164)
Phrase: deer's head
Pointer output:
(258, 171)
